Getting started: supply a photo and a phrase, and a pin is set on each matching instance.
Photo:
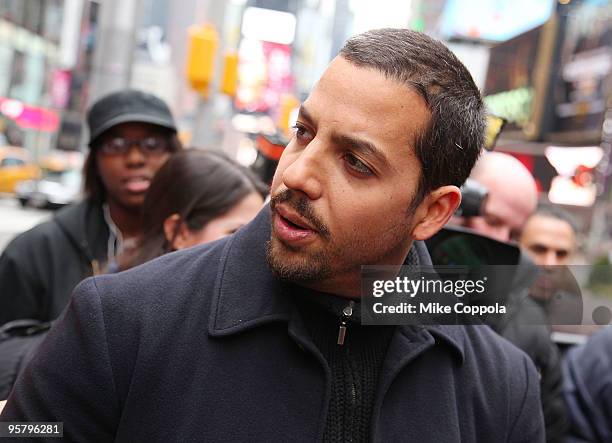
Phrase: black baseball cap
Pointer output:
(127, 106)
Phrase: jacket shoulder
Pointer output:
(75, 216)
(492, 350)
(507, 374)
(161, 288)
(50, 230)
(34, 239)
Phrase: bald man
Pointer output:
(512, 196)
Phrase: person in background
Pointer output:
(512, 196)
(588, 389)
(549, 236)
(196, 197)
(511, 199)
(131, 134)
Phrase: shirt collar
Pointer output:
(248, 295)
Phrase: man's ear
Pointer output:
(175, 232)
(435, 211)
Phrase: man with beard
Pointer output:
(549, 237)
(257, 337)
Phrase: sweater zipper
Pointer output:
(346, 314)
(95, 267)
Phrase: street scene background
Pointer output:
(235, 70)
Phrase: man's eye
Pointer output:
(538, 249)
(357, 165)
(301, 133)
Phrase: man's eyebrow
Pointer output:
(303, 114)
(539, 246)
(364, 146)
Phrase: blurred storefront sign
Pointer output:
(566, 175)
(29, 117)
(580, 87)
(28, 56)
(513, 89)
(494, 20)
(514, 105)
(6, 61)
(265, 54)
(268, 25)
(60, 88)
(264, 74)
(575, 184)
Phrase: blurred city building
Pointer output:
(552, 84)
(543, 65)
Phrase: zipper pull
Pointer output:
(95, 267)
(346, 313)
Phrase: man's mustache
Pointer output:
(301, 205)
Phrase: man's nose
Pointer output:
(305, 173)
(550, 258)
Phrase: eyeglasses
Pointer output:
(148, 146)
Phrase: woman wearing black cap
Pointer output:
(131, 135)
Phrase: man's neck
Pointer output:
(349, 283)
(127, 220)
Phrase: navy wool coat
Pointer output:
(205, 345)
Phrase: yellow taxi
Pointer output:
(15, 166)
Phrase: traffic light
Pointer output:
(203, 44)
(229, 81)
(288, 104)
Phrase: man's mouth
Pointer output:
(293, 219)
(290, 227)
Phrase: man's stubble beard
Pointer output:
(287, 266)
(333, 259)
(312, 268)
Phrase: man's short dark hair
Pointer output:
(450, 144)
(552, 211)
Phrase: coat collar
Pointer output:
(247, 295)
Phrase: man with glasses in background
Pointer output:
(132, 134)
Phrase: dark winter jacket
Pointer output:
(527, 326)
(588, 389)
(205, 344)
(40, 268)
(19, 340)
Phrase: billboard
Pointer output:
(580, 87)
(494, 20)
(511, 86)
